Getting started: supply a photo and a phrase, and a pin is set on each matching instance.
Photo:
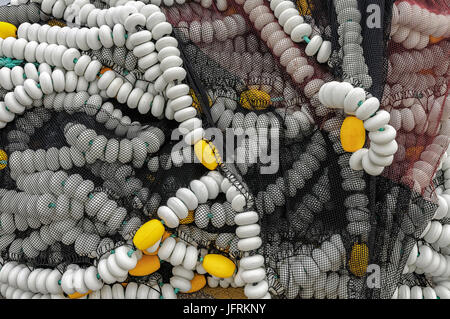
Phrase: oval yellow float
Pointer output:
(206, 153)
(197, 283)
(77, 295)
(148, 234)
(3, 159)
(359, 259)
(254, 99)
(353, 134)
(189, 219)
(166, 234)
(145, 266)
(218, 265)
(7, 30)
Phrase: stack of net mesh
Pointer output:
(303, 189)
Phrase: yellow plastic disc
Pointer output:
(412, 153)
(166, 234)
(77, 295)
(304, 7)
(197, 283)
(54, 22)
(434, 40)
(254, 99)
(145, 266)
(189, 219)
(3, 159)
(359, 259)
(7, 30)
(353, 134)
(218, 265)
(148, 234)
(206, 153)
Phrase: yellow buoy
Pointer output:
(254, 99)
(434, 40)
(359, 259)
(54, 22)
(304, 7)
(7, 30)
(206, 153)
(77, 295)
(189, 219)
(3, 159)
(148, 234)
(166, 234)
(353, 134)
(218, 265)
(197, 283)
(145, 266)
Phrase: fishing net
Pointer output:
(102, 179)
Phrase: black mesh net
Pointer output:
(327, 230)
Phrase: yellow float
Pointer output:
(3, 159)
(7, 30)
(197, 283)
(218, 265)
(254, 99)
(359, 259)
(77, 295)
(353, 134)
(166, 234)
(189, 219)
(206, 153)
(145, 266)
(434, 40)
(148, 234)
(412, 153)
(304, 7)
(54, 22)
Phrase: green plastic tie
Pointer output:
(113, 251)
(201, 259)
(126, 35)
(360, 103)
(38, 85)
(63, 183)
(90, 142)
(9, 63)
(162, 221)
(176, 290)
(307, 40)
(277, 99)
(7, 108)
(75, 60)
(59, 282)
(51, 205)
(98, 276)
(381, 129)
(210, 215)
(130, 252)
(126, 72)
(24, 76)
(91, 195)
